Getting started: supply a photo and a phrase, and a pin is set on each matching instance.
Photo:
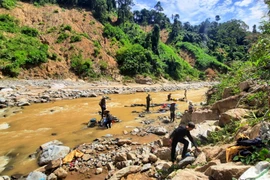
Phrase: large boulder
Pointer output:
(36, 175)
(143, 80)
(226, 171)
(52, 152)
(244, 86)
(163, 153)
(125, 171)
(187, 174)
(232, 115)
(199, 116)
(226, 104)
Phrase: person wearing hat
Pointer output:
(178, 135)
(102, 105)
(107, 119)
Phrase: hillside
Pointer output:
(49, 20)
(64, 41)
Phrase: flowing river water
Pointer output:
(66, 121)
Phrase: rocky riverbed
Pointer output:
(18, 93)
(140, 153)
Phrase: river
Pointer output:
(66, 121)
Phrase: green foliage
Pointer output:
(82, 67)
(260, 57)
(240, 71)
(132, 60)
(75, 38)
(203, 60)
(225, 134)
(43, 2)
(103, 65)
(8, 23)
(62, 37)
(22, 49)
(115, 32)
(8, 4)
(96, 52)
(176, 67)
(66, 27)
(29, 31)
(259, 154)
(52, 29)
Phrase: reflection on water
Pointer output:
(66, 121)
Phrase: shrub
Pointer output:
(82, 67)
(62, 37)
(103, 65)
(66, 28)
(8, 23)
(8, 4)
(75, 38)
(29, 31)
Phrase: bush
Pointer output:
(66, 28)
(203, 60)
(82, 67)
(75, 38)
(29, 31)
(8, 23)
(8, 4)
(62, 37)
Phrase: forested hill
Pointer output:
(92, 39)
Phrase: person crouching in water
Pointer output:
(178, 135)
(107, 119)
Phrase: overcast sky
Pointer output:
(196, 11)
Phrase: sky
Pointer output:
(196, 11)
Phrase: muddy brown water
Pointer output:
(35, 124)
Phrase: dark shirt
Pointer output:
(102, 102)
(109, 118)
(180, 133)
(148, 99)
(172, 107)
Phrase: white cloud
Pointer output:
(244, 3)
(196, 11)
(256, 14)
(139, 5)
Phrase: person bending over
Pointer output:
(178, 135)
(107, 119)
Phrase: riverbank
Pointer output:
(18, 93)
(25, 90)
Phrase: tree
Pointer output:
(124, 10)
(100, 10)
(217, 18)
(158, 7)
(111, 5)
(254, 30)
(155, 38)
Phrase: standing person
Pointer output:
(107, 119)
(148, 99)
(169, 97)
(172, 110)
(185, 94)
(102, 105)
(178, 135)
